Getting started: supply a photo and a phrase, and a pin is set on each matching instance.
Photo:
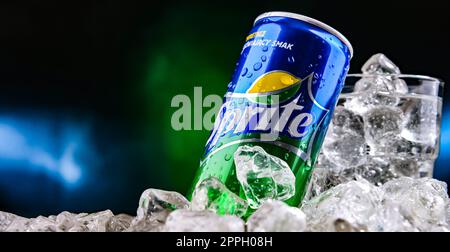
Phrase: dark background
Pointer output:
(85, 87)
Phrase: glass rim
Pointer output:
(412, 76)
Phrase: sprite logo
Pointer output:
(277, 105)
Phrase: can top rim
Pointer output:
(311, 21)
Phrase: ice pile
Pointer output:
(379, 132)
(63, 222)
(402, 204)
(276, 216)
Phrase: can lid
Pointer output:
(311, 21)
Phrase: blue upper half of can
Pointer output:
(304, 49)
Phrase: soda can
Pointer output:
(281, 97)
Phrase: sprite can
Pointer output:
(281, 98)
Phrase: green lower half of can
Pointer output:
(221, 165)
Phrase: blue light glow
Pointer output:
(46, 145)
(442, 168)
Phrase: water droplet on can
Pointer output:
(257, 66)
(244, 71)
(249, 75)
(263, 58)
(265, 48)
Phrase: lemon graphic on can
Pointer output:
(275, 83)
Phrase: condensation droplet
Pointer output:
(257, 66)
(244, 71)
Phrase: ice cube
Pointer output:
(360, 103)
(379, 64)
(405, 148)
(96, 222)
(318, 183)
(212, 195)
(377, 170)
(346, 150)
(423, 202)
(396, 218)
(323, 162)
(156, 204)
(144, 225)
(6, 219)
(277, 216)
(380, 89)
(421, 121)
(326, 175)
(382, 125)
(119, 223)
(324, 179)
(380, 85)
(398, 85)
(19, 224)
(38, 224)
(42, 224)
(66, 221)
(184, 220)
(78, 227)
(346, 121)
(404, 167)
(263, 176)
(356, 202)
(426, 168)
